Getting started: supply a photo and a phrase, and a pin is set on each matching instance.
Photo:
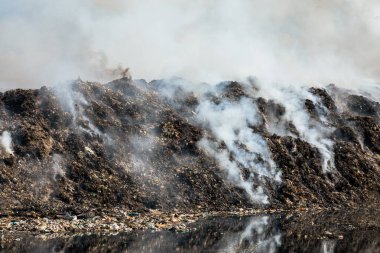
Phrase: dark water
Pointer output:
(228, 234)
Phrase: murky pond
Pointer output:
(262, 233)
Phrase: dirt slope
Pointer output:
(92, 147)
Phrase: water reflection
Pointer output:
(328, 246)
(224, 235)
(257, 236)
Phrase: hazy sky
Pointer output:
(43, 42)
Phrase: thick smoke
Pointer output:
(74, 102)
(43, 42)
(310, 130)
(57, 166)
(231, 123)
(229, 136)
(6, 142)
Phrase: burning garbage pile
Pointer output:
(170, 145)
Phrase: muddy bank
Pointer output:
(87, 148)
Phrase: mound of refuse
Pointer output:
(87, 147)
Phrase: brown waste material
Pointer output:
(122, 145)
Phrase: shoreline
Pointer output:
(126, 221)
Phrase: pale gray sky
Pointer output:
(44, 42)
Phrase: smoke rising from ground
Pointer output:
(44, 42)
(231, 124)
(312, 131)
(289, 42)
(6, 142)
(229, 137)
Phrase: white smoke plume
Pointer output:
(69, 99)
(315, 133)
(231, 124)
(74, 102)
(318, 41)
(241, 152)
(6, 142)
(57, 166)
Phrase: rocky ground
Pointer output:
(89, 149)
(119, 221)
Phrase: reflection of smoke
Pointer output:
(258, 236)
(328, 246)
